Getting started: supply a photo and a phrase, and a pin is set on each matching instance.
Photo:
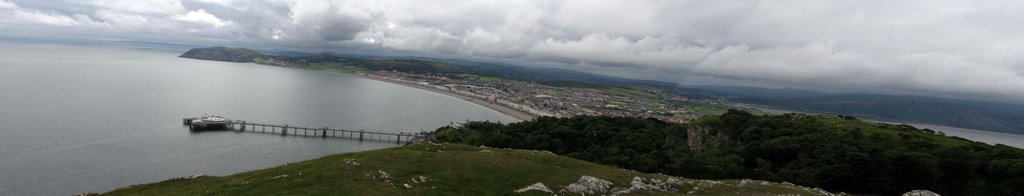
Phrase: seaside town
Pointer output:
(543, 100)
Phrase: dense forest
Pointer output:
(834, 153)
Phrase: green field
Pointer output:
(631, 92)
(448, 169)
(618, 103)
(703, 108)
(336, 67)
(477, 77)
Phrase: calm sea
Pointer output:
(93, 118)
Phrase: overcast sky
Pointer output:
(968, 49)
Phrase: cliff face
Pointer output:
(240, 55)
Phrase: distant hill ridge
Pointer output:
(410, 64)
(240, 55)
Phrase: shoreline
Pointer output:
(515, 114)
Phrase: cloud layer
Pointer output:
(952, 48)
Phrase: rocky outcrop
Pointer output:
(920, 193)
(699, 138)
(190, 177)
(351, 162)
(588, 185)
(651, 184)
(535, 187)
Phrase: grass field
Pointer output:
(631, 92)
(448, 169)
(337, 67)
(477, 77)
(703, 108)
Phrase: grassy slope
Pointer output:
(956, 113)
(449, 169)
(872, 127)
(892, 130)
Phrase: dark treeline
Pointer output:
(837, 154)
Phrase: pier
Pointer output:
(221, 123)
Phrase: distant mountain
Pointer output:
(764, 92)
(990, 116)
(571, 84)
(538, 74)
(240, 55)
(413, 65)
(154, 44)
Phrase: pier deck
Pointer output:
(197, 124)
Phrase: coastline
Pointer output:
(516, 114)
(983, 136)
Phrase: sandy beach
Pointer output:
(519, 115)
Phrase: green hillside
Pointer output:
(448, 169)
(240, 55)
(839, 154)
(989, 116)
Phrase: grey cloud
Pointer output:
(341, 29)
(925, 47)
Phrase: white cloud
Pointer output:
(124, 20)
(5, 4)
(276, 34)
(144, 7)
(217, 2)
(200, 16)
(57, 19)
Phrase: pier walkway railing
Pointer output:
(323, 132)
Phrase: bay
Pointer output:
(90, 118)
